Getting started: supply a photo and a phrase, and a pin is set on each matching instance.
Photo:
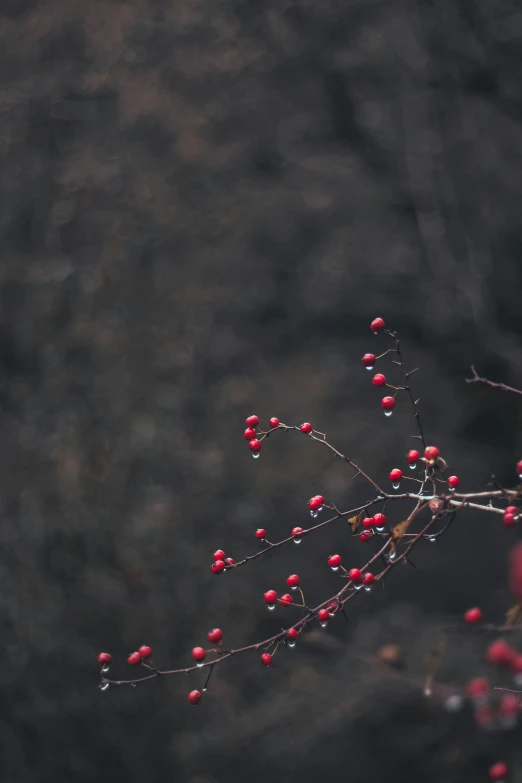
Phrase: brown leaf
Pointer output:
(354, 522)
(399, 530)
(513, 614)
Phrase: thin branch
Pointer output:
(477, 379)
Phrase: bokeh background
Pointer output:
(203, 204)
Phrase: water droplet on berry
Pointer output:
(432, 539)
(393, 555)
(427, 692)
(451, 489)
(104, 686)
(313, 513)
(388, 413)
(323, 625)
(105, 668)
(413, 466)
(520, 476)
(294, 587)
(379, 529)
(203, 689)
(199, 664)
(271, 607)
(395, 486)
(290, 643)
(256, 455)
(369, 366)
(133, 684)
(297, 540)
(368, 589)
(334, 568)
(357, 587)
(454, 703)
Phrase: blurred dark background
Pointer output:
(203, 204)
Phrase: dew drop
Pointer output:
(520, 476)
(256, 455)
(379, 529)
(105, 668)
(332, 614)
(413, 466)
(199, 664)
(291, 644)
(427, 692)
(393, 555)
(323, 625)
(451, 489)
(454, 703)
(395, 486)
(203, 689)
(313, 513)
(294, 587)
(432, 539)
(368, 589)
(297, 540)
(388, 413)
(104, 686)
(133, 684)
(357, 587)
(369, 367)
(334, 568)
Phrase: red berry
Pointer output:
(145, 651)
(453, 482)
(270, 597)
(104, 659)
(315, 502)
(274, 422)
(219, 554)
(134, 659)
(252, 421)
(229, 561)
(516, 663)
(431, 453)
(509, 516)
(323, 616)
(368, 579)
(510, 510)
(379, 520)
(473, 615)
(499, 653)
(291, 634)
(364, 537)
(266, 659)
(199, 654)
(478, 688)
(306, 427)
(296, 532)
(293, 580)
(368, 360)
(215, 635)
(515, 572)
(413, 456)
(519, 468)
(355, 576)
(368, 522)
(286, 600)
(395, 475)
(249, 433)
(498, 771)
(194, 697)
(255, 445)
(388, 403)
(379, 379)
(217, 567)
(260, 534)
(508, 705)
(377, 325)
(334, 561)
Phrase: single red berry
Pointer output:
(260, 534)
(296, 532)
(431, 453)
(219, 554)
(255, 445)
(510, 510)
(266, 659)
(291, 634)
(199, 654)
(355, 576)
(229, 561)
(379, 379)
(306, 427)
(519, 468)
(388, 403)
(145, 651)
(377, 325)
(395, 475)
(274, 422)
(368, 360)
(368, 579)
(509, 517)
(315, 502)
(249, 433)
(217, 567)
(194, 697)
(215, 635)
(323, 616)
(498, 771)
(252, 421)
(334, 561)
(413, 456)
(516, 663)
(134, 659)
(270, 597)
(379, 521)
(515, 572)
(499, 653)
(293, 580)
(478, 688)
(473, 615)
(453, 482)
(508, 705)
(364, 536)
(104, 659)
(368, 522)
(286, 600)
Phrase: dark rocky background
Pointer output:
(203, 204)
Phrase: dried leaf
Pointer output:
(354, 522)
(399, 530)
(513, 614)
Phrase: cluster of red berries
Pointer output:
(377, 522)
(388, 403)
(510, 515)
(500, 653)
(487, 710)
(140, 655)
(250, 435)
(220, 562)
(431, 455)
(199, 653)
